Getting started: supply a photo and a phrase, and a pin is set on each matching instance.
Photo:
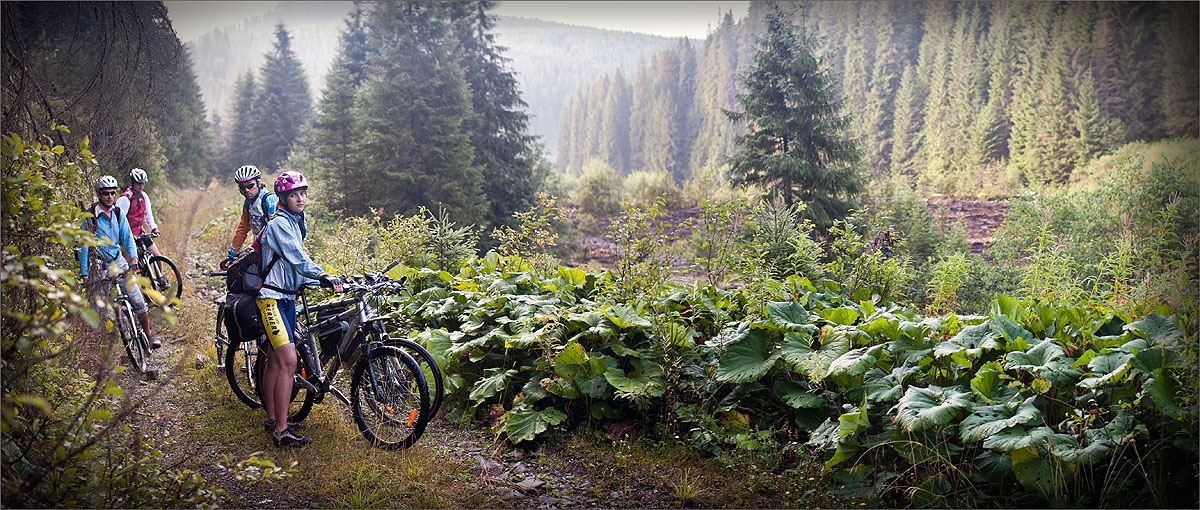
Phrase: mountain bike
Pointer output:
(162, 273)
(389, 396)
(133, 337)
(236, 360)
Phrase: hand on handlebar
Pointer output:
(331, 282)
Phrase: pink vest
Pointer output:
(137, 211)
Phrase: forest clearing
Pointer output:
(833, 254)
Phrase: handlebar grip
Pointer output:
(389, 267)
(218, 273)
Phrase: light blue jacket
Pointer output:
(284, 236)
(114, 228)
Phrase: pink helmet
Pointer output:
(289, 181)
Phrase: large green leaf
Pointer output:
(971, 340)
(1015, 336)
(855, 362)
(1045, 476)
(572, 354)
(524, 425)
(1098, 447)
(1019, 437)
(935, 406)
(645, 379)
(844, 316)
(788, 315)
(798, 395)
(494, 381)
(1156, 328)
(988, 420)
(1045, 360)
(625, 317)
(1106, 369)
(748, 359)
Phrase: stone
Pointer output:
(519, 468)
(530, 485)
(508, 494)
(202, 361)
(547, 500)
(486, 467)
(150, 374)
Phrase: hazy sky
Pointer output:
(669, 18)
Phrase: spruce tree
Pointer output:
(334, 129)
(240, 119)
(283, 107)
(615, 123)
(499, 130)
(796, 143)
(185, 133)
(412, 106)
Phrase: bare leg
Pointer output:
(285, 356)
(268, 382)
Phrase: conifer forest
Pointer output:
(868, 254)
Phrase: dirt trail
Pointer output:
(194, 419)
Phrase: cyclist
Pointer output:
(258, 208)
(286, 267)
(135, 203)
(111, 225)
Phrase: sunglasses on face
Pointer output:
(247, 185)
(108, 193)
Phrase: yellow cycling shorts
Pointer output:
(279, 319)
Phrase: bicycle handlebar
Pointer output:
(218, 273)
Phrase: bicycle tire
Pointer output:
(302, 399)
(382, 398)
(129, 331)
(429, 368)
(219, 338)
(167, 282)
(240, 372)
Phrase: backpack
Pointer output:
(245, 274)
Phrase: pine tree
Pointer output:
(185, 133)
(283, 106)
(796, 140)
(1179, 99)
(499, 125)
(334, 128)
(240, 118)
(413, 105)
(615, 123)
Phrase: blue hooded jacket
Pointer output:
(114, 228)
(284, 236)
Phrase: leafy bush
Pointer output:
(599, 190)
(716, 238)
(66, 437)
(643, 188)
(867, 259)
(642, 270)
(535, 234)
(782, 241)
(1030, 404)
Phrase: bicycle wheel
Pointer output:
(164, 277)
(219, 339)
(130, 336)
(429, 368)
(302, 399)
(389, 398)
(240, 372)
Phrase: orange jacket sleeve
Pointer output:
(243, 228)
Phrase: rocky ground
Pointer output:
(979, 219)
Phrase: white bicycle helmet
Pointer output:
(246, 173)
(106, 182)
(137, 175)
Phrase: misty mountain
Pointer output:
(550, 59)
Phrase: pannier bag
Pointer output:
(242, 321)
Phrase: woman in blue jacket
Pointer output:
(282, 243)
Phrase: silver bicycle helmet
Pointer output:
(106, 182)
(246, 173)
(137, 175)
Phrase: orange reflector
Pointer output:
(412, 416)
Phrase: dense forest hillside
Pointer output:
(550, 59)
(960, 98)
